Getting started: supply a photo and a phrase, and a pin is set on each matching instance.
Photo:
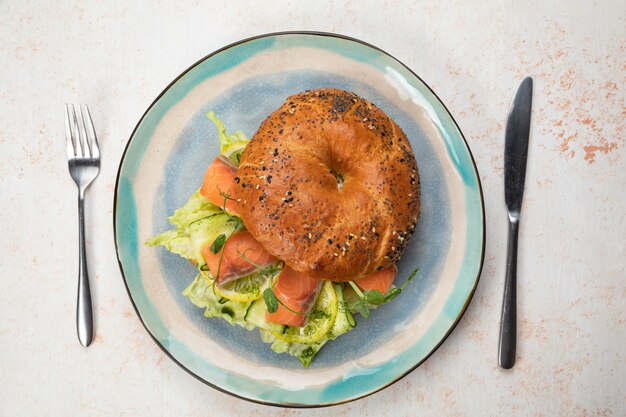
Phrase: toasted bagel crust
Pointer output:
(329, 184)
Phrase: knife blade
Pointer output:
(516, 146)
(515, 155)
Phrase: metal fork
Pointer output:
(83, 156)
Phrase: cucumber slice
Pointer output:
(204, 232)
(255, 316)
(248, 288)
(345, 320)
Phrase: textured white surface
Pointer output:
(118, 56)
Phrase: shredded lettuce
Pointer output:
(230, 146)
(196, 224)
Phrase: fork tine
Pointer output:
(82, 133)
(78, 138)
(71, 147)
(91, 132)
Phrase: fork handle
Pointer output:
(508, 322)
(84, 314)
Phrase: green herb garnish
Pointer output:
(375, 297)
(218, 243)
(271, 301)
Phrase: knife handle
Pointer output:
(508, 322)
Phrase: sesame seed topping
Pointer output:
(393, 248)
(365, 119)
(283, 198)
(394, 233)
(239, 199)
(309, 235)
(258, 186)
(363, 237)
(336, 254)
(410, 195)
(370, 127)
(290, 205)
(261, 163)
(373, 230)
(348, 244)
(262, 177)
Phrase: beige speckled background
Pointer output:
(118, 56)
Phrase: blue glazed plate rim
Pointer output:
(115, 205)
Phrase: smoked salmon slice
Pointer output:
(219, 179)
(297, 291)
(380, 280)
(238, 247)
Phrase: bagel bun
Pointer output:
(329, 184)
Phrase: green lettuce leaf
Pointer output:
(202, 295)
(230, 146)
(196, 224)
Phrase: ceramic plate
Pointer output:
(164, 163)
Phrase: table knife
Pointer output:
(515, 153)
